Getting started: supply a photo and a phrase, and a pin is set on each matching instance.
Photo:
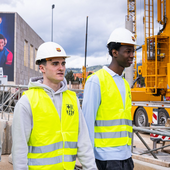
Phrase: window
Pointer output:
(31, 57)
(36, 66)
(26, 53)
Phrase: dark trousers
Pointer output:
(115, 164)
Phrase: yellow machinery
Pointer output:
(83, 76)
(155, 53)
(155, 66)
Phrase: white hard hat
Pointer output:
(122, 35)
(50, 50)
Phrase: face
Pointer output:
(2, 44)
(54, 70)
(125, 56)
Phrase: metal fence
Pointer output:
(161, 130)
(10, 94)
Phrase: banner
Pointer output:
(7, 21)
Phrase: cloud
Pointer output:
(78, 62)
(69, 23)
(10, 2)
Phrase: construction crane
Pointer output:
(156, 50)
(155, 67)
(131, 15)
(84, 67)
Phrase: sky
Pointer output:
(69, 25)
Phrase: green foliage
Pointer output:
(142, 81)
(69, 76)
(77, 79)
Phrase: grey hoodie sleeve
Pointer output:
(21, 129)
(85, 151)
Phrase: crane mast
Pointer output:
(155, 51)
(155, 66)
(131, 15)
(148, 18)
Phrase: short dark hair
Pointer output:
(2, 37)
(43, 62)
(113, 45)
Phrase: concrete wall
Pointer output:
(23, 32)
(6, 140)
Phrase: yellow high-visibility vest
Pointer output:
(53, 142)
(113, 124)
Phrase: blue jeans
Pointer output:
(115, 164)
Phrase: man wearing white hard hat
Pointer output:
(107, 106)
(49, 130)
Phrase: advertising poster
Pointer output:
(7, 21)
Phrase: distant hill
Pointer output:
(74, 70)
(79, 70)
(91, 68)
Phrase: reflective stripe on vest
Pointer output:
(53, 141)
(113, 124)
(113, 134)
(51, 161)
(52, 147)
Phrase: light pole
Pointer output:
(53, 6)
(84, 67)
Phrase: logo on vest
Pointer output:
(129, 93)
(69, 109)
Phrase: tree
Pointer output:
(69, 76)
(77, 79)
(142, 81)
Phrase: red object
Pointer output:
(9, 58)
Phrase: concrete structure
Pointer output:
(129, 70)
(2, 128)
(5, 137)
(26, 43)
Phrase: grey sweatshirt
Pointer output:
(23, 124)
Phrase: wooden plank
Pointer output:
(151, 160)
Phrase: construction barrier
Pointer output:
(155, 122)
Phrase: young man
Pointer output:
(49, 129)
(6, 56)
(107, 106)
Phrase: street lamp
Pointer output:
(53, 6)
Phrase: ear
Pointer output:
(42, 68)
(114, 53)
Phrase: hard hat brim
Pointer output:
(129, 44)
(49, 58)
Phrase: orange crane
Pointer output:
(155, 67)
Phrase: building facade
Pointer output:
(21, 44)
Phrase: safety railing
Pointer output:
(10, 94)
(161, 130)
